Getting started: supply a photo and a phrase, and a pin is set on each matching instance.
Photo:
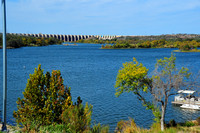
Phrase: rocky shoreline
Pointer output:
(11, 129)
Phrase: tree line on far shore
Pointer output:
(182, 45)
(16, 41)
(182, 41)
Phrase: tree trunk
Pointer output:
(162, 118)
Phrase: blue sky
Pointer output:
(103, 17)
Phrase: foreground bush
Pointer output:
(45, 100)
(189, 124)
(78, 118)
(61, 128)
(198, 120)
(99, 129)
(128, 127)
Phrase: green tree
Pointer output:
(167, 80)
(133, 77)
(184, 46)
(45, 98)
(15, 43)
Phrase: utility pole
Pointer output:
(4, 128)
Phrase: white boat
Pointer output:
(186, 97)
(190, 106)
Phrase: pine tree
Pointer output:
(45, 98)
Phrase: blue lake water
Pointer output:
(91, 73)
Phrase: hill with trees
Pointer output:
(16, 41)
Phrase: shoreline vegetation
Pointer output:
(16, 41)
(191, 50)
(128, 126)
(183, 46)
(184, 42)
(67, 44)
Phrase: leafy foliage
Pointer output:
(77, 118)
(99, 129)
(133, 78)
(45, 98)
(198, 120)
(182, 45)
(189, 124)
(172, 123)
(127, 127)
(47, 106)
(164, 83)
(58, 128)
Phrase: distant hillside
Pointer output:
(16, 41)
(175, 37)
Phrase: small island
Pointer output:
(187, 47)
(191, 50)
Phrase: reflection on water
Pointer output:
(91, 73)
(188, 112)
(185, 114)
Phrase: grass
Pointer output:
(123, 127)
(130, 127)
(180, 129)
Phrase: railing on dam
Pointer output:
(67, 38)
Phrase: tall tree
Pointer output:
(166, 81)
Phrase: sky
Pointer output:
(103, 17)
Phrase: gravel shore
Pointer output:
(10, 129)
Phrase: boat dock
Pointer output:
(186, 102)
(186, 97)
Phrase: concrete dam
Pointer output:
(67, 38)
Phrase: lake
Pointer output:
(91, 73)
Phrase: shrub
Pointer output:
(189, 124)
(172, 123)
(198, 120)
(45, 98)
(184, 46)
(99, 129)
(127, 126)
(47, 107)
(77, 117)
(107, 46)
(58, 128)
(156, 127)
